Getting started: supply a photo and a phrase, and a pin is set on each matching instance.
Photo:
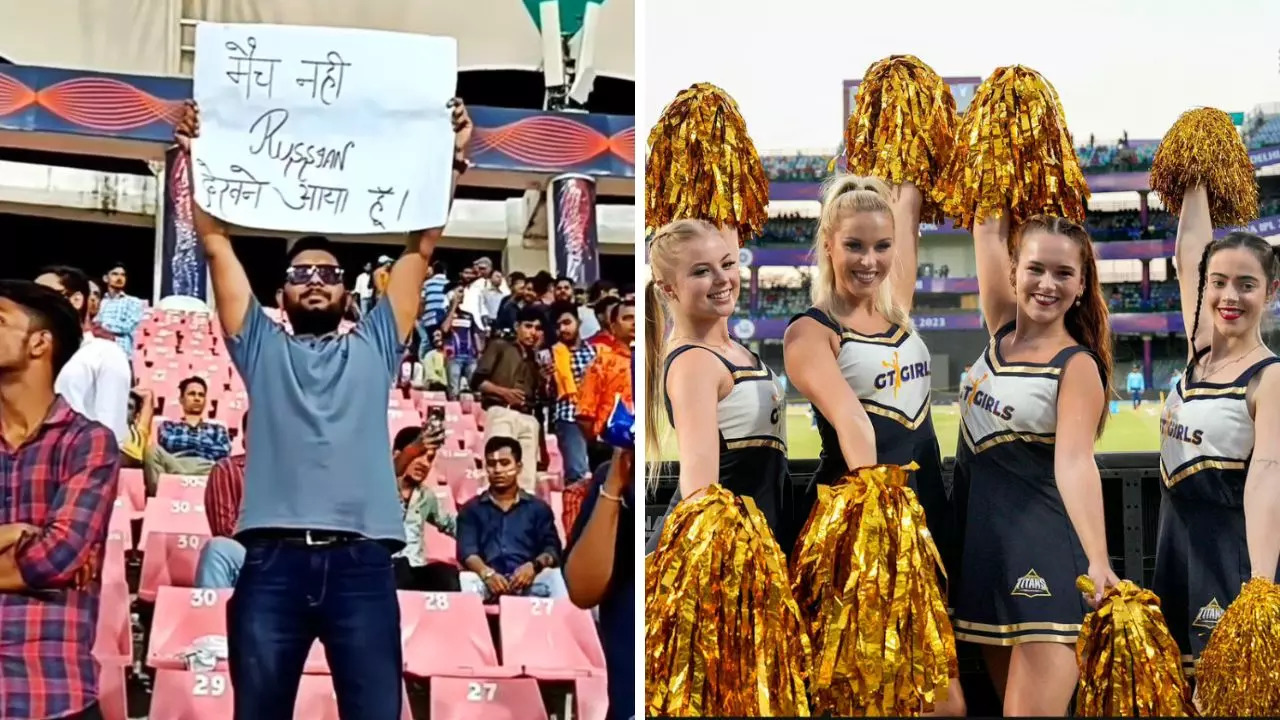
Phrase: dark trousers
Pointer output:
(432, 577)
(288, 595)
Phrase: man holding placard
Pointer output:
(321, 516)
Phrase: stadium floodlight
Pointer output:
(585, 66)
(552, 44)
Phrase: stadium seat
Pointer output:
(181, 616)
(549, 639)
(170, 558)
(182, 695)
(592, 697)
(114, 641)
(112, 692)
(120, 524)
(556, 501)
(491, 699)
(133, 488)
(173, 516)
(451, 636)
(182, 487)
(438, 547)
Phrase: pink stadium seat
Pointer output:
(452, 407)
(451, 637)
(169, 558)
(438, 547)
(556, 500)
(120, 524)
(182, 695)
(173, 516)
(189, 488)
(593, 697)
(549, 639)
(181, 616)
(114, 641)
(133, 487)
(491, 699)
(112, 697)
(465, 484)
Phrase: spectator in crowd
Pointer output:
(381, 276)
(602, 310)
(571, 356)
(321, 516)
(491, 297)
(222, 556)
(599, 572)
(476, 284)
(120, 313)
(58, 473)
(363, 289)
(464, 342)
(435, 375)
(543, 288)
(1174, 379)
(190, 446)
(509, 381)
(507, 538)
(609, 376)
(435, 303)
(1137, 384)
(563, 290)
(142, 408)
(589, 317)
(414, 452)
(521, 296)
(96, 382)
(95, 304)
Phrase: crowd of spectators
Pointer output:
(537, 356)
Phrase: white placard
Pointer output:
(327, 130)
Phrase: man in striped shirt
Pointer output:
(58, 474)
(222, 557)
(434, 305)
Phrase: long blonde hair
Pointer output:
(662, 249)
(842, 195)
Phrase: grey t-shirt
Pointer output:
(319, 447)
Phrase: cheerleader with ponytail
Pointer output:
(1219, 538)
(723, 636)
(865, 571)
(1026, 483)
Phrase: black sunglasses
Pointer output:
(302, 274)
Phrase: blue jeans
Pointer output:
(220, 562)
(573, 447)
(288, 595)
(460, 368)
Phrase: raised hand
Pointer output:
(462, 127)
(188, 125)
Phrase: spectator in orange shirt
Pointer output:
(610, 374)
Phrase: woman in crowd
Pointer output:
(1220, 430)
(1031, 407)
(856, 357)
(726, 408)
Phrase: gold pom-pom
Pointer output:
(723, 636)
(702, 165)
(903, 127)
(1204, 148)
(865, 574)
(1239, 670)
(1013, 153)
(1130, 665)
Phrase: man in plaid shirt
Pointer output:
(569, 375)
(58, 474)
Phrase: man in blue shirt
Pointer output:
(120, 314)
(190, 446)
(1137, 384)
(321, 514)
(507, 538)
(599, 571)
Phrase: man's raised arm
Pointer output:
(404, 288)
(231, 289)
